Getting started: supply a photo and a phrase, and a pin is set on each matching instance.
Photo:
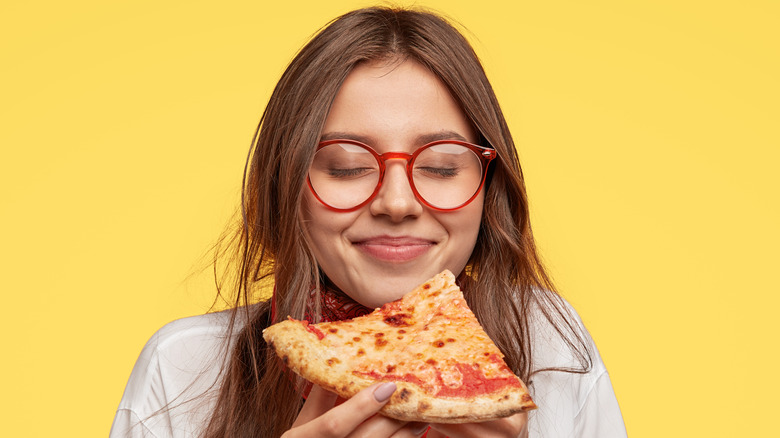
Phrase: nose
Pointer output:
(396, 199)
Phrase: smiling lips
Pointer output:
(394, 249)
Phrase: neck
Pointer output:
(335, 305)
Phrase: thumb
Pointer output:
(317, 403)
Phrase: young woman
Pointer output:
(344, 209)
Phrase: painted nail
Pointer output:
(384, 391)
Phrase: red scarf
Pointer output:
(334, 306)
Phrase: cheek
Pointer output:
(463, 229)
(323, 227)
(315, 221)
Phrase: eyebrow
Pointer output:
(338, 135)
(419, 140)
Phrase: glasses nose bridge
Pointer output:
(384, 158)
(396, 156)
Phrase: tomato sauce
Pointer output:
(313, 329)
(474, 380)
(475, 383)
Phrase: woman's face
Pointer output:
(386, 248)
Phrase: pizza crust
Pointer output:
(409, 403)
(302, 352)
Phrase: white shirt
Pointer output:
(177, 378)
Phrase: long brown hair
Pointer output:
(504, 278)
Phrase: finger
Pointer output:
(343, 419)
(381, 426)
(417, 429)
(433, 433)
(317, 403)
(513, 426)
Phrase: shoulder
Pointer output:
(559, 338)
(192, 331)
(185, 346)
(175, 375)
(570, 382)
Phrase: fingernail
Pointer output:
(384, 391)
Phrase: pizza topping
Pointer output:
(312, 329)
(474, 382)
(399, 320)
(461, 380)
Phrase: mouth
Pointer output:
(394, 249)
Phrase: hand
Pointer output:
(356, 417)
(515, 426)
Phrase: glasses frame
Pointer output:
(485, 155)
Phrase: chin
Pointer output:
(390, 291)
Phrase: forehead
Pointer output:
(394, 104)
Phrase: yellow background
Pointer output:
(648, 132)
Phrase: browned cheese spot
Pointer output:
(486, 354)
(426, 286)
(390, 368)
(431, 362)
(361, 352)
(333, 330)
(525, 398)
(333, 360)
(378, 335)
(450, 340)
(419, 355)
(399, 320)
(399, 337)
(404, 394)
(436, 294)
(438, 343)
(423, 406)
(356, 339)
(402, 331)
(380, 342)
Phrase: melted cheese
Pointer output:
(429, 337)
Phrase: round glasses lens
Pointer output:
(344, 175)
(447, 175)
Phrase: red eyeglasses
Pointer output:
(444, 175)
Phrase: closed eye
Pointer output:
(440, 172)
(349, 172)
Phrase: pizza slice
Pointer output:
(429, 343)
